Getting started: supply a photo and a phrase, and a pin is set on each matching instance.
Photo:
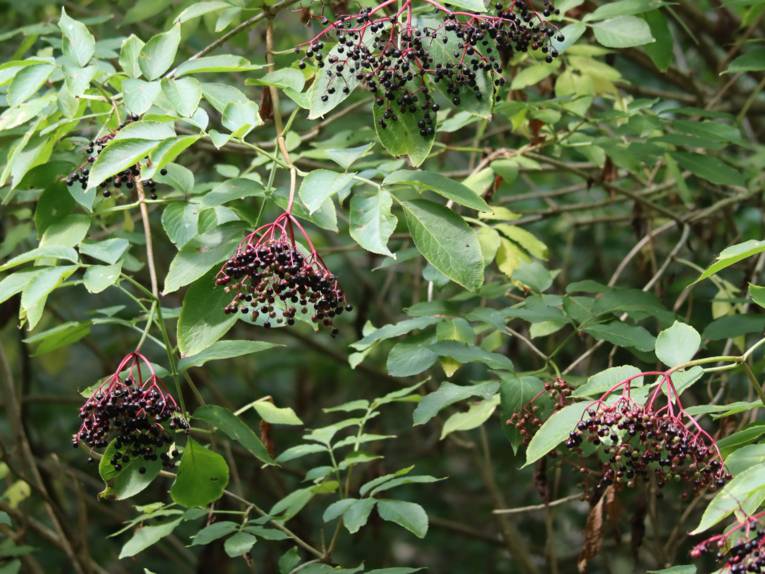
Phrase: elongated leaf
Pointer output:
(371, 221)
(235, 428)
(554, 431)
(224, 350)
(406, 514)
(446, 241)
(118, 156)
(79, 43)
(158, 54)
(440, 184)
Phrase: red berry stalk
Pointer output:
(130, 406)
(641, 440)
(271, 278)
(745, 555)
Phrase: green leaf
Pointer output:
(623, 335)
(678, 344)
(146, 536)
(129, 51)
(146, 130)
(272, 414)
(200, 255)
(202, 320)
(757, 293)
(140, 95)
(231, 425)
(446, 241)
(601, 382)
(59, 336)
(744, 458)
(371, 221)
(403, 480)
(622, 8)
(623, 32)
(394, 330)
(753, 60)
(320, 185)
(533, 75)
(732, 326)
(709, 168)
(448, 394)
(440, 184)
(356, 516)
(180, 222)
(158, 54)
(184, 93)
(35, 293)
(46, 252)
(129, 480)
(744, 492)
(471, 5)
(681, 569)
(202, 476)
(403, 136)
(216, 64)
(27, 82)
(213, 532)
(231, 190)
(738, 439)
(730, 256)
(239, 544)
(474, 417)
(525, 239)
(198, 9)
(224, 350)
(240, 118)
(660, 51)
(554, 431)
(406, 514)
(79, 43)
(107, 250)
(118, 156)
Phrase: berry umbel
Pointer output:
(125, 179)
(740, 549)
(272, 278)
(132, 408)
(403, 54)
(637, 440)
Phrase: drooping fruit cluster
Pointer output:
(528, 419)
(740, 549)
(403, 57)
(131, 409)
(272, 279)
(126, 178)
(637, 440)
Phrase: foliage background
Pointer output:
(632, 167)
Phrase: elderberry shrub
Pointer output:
(400, 57)
(126, 178)
(529, 418)
(637, 441)
(133, 413)
(746, 555)
(274, 270)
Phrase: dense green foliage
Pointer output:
(385, 293)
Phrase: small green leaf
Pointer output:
(320, 185)
(129, 51)
(623, 32)
(402, 137)
(224, 350)
(448, 394)
(440, 184)
(745, 493)
(371, 221)
(146, 536)
(239, 544)
(118, 156)
(446, 241)
(272, 414)
(623, 335)
(202, 476)
(732, 255)
(554, 431)
(474, 417)
(158, 54)
(79, 43)
(406, 514)
(678, 344)
(235, 428)
(214, 531)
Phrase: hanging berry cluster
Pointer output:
(401, 57)
(638, 440)
(528, 419)
(272, 279)
(131, 407)
(126, 178)
(740, 549)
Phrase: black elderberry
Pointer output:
(272, 278)
(130, 411)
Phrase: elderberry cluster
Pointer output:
(133, 415)
(274, 280)
(745, 556)
(637, 442)
(528, 420)
(127, 177)
(401, 58)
